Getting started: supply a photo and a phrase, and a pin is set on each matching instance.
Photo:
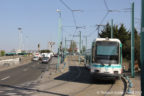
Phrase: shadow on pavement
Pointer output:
(29, 89)
(80, 75)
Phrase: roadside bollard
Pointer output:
(64, 65)
(130, 85)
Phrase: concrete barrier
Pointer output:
(9, 62)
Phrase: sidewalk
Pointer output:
(136, 89)
(53, 72)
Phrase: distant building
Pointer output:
(18, 51)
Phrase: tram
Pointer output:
(106, 59)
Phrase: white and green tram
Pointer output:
(106, 59)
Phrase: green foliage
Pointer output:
(45, 51)
(72, 47)
(2, 53)
(125, 37)
(83, 48)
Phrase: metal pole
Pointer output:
(112, 28)
(72, 47)
(132, 43)
(59, 36)
(142, 47)
(86, 42)
(65, 48)
(20, 38)
(80, 47)
(98, 31)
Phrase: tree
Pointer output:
(45, 51)
(2, 52)
(125, 37)
(73, 47)
(83, 48)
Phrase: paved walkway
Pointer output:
(136, 89)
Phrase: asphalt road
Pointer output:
(22, 74)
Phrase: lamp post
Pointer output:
(20, 40)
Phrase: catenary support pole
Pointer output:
(142, 47)
(112, 28)
(80, 47)
(132, 43)
(65, 48)
(59, 38)
(86, 42)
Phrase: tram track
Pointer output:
(124, 84)
(103, 91)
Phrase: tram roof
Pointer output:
(108, 39)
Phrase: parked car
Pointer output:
(55, 55)
(45, 59)
(35, 58)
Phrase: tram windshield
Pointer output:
(107, 52)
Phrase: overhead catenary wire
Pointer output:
(106, 5)
(73, 16)
(65, 5)
(72, 11)
(107, 13)
(108, 10)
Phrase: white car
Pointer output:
(35, 58)
(45, 59)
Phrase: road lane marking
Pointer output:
(5, 78)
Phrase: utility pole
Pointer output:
(86, 41)
(98, 27)
(112, 28)
(38, 47)
(132, 42)
(65, 47)
(50, 43)
(142, 48)
(59, 38)
(72, 47)
(79, 45)
(20, 40)
(82, 46)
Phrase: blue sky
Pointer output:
(39, 20)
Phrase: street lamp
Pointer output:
(20, 39)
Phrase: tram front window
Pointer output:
(107, 53)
